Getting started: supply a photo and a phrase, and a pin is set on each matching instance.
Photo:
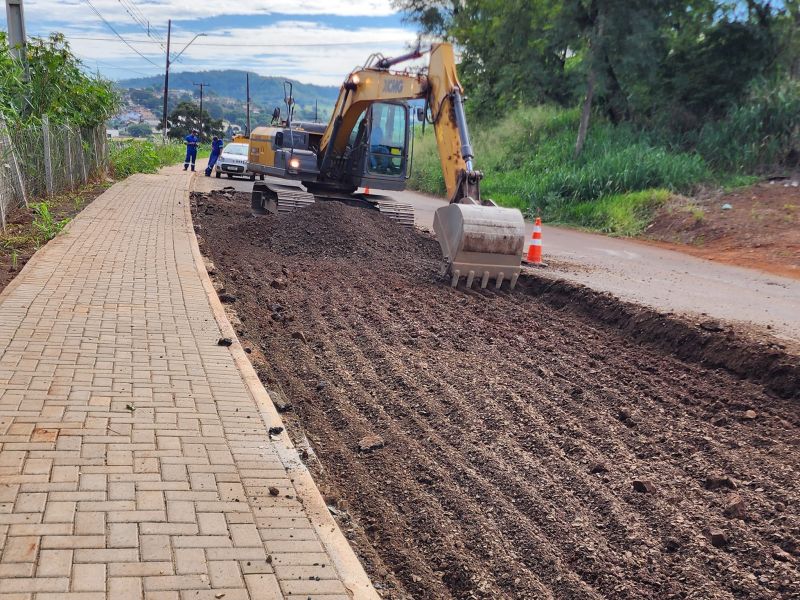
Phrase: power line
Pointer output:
(102, 18)
(237, 45)
(136, 14)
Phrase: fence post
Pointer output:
(2, 209)
(68, 145)
(14, 161)
(95, 156)
(83, 156)
(48, 165)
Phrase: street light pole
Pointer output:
(248, 106)
(166, 69)
(202, 87)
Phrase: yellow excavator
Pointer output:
(366, 144)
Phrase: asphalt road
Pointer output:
(663, 279)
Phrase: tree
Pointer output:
(186, 116)
(139, 130)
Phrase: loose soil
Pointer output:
(761, 230)
(525, 444)
(21, 240)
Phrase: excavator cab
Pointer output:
(380, 147)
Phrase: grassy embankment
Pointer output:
(143, 156)
(624, 173)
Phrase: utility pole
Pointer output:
(166, 80)
(166, 69)
(202, 87)
(248, 106)
(15, 17)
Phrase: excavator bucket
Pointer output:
(481, 241)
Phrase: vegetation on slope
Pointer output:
(576, 107)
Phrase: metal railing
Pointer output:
(45, 160)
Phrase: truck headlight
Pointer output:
(294, 163)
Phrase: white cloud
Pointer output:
(232, 48)
(157, 12)
(228, 47)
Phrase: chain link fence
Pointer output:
(41, 161)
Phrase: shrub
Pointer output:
(139, 156)
(760, 134)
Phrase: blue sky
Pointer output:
(316, 41)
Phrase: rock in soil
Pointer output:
(370, 442)
(280, 401)
(736, 509)
(718, 537)
(644, 486)
(484, 492)
(716, 482)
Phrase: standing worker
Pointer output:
(191, 149)
(216, 150)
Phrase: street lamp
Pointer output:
(166, 71)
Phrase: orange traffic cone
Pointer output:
(535, 249)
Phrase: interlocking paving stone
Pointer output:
(127, 470)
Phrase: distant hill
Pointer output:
(264, 91)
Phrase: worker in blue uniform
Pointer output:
(191, 141)
(216, 150)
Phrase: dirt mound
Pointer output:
(528, 448)
(333, 230)
(756, 226)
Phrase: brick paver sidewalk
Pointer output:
(134, 463)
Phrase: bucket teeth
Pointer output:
(483, 242)
(469, 280)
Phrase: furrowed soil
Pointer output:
(505, 445)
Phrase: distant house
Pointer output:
(112, 133)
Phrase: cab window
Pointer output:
(387, 139)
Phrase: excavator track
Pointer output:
(280, 199)
(399, 212)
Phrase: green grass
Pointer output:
(143, 156)
(527, 160)
(624, 173)
(618, 214)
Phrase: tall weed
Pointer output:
(45, 224)
(528, 163)
(143, 156)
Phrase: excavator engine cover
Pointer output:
(481, 241)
